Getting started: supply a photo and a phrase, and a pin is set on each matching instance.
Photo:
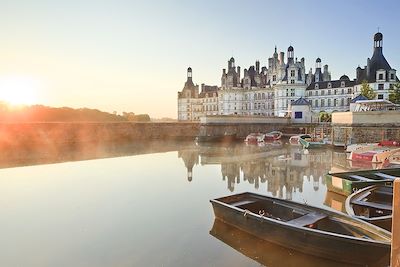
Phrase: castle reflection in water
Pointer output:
(278, 168)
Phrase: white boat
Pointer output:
(295, 140)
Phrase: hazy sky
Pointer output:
(133, 55)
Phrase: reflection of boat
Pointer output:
(346, 183)
(304, 228)
(295, 139)
(226, 138)
(265, 253)
(372, 204)
(312, 144)
(335, 201)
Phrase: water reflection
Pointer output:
(278, 169)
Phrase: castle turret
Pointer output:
(258, 67)
(290, 55)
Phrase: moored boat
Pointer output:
(372, 204)
(373, 153)
(346, 183)
(295, 139)
(254, 138)
(274, 135)
(264, 252)
(304, 228)
(312, 144)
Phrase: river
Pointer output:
(148, 204)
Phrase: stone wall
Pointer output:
(352, 134)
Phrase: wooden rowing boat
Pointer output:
(264, 252)
(372, 204)
(346, 183)
(304, 228)
(312, 144)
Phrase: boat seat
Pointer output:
(372, 205)
(361, 178)
(243, 202)
(384, 175)
(308, 219)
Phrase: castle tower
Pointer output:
(290, 56)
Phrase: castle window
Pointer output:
(334, 102)
(335, 92)
(322, 92)
(316, 102)
(349, 91)
(380, 96)
(348, 101)
(380, 86)
(342, 91)
(292, 92)
(342, 102)
(380, 76)
(316, 93)
(292, 73)
(329, 102)
(322, 102)
(292, 81)
(329, 85)
(316, 86)
(329, 92)
(274, 78)
(392, 76)
(342, 84)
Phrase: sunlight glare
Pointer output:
(18, 90)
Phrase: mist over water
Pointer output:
(147, 204)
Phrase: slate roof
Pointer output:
(301, 102)
(334, 84)
(359, 97)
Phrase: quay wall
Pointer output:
(368, 133)
(26, 135)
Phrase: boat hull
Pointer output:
(307, 144)
(367, 205)
(307, 241)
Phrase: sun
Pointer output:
(18, 90)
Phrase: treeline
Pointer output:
(39, 113)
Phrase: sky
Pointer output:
(132, 56)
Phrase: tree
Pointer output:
(325, 116)
(394, 93)
(367, 91)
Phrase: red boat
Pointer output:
(260, 138)
(274, 135)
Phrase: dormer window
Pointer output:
(342, 84)
(380, 76)
(392, 76)
(316, 86)
(329, 85)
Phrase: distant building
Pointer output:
(272, 90)
(378, 73)
(193, 104)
